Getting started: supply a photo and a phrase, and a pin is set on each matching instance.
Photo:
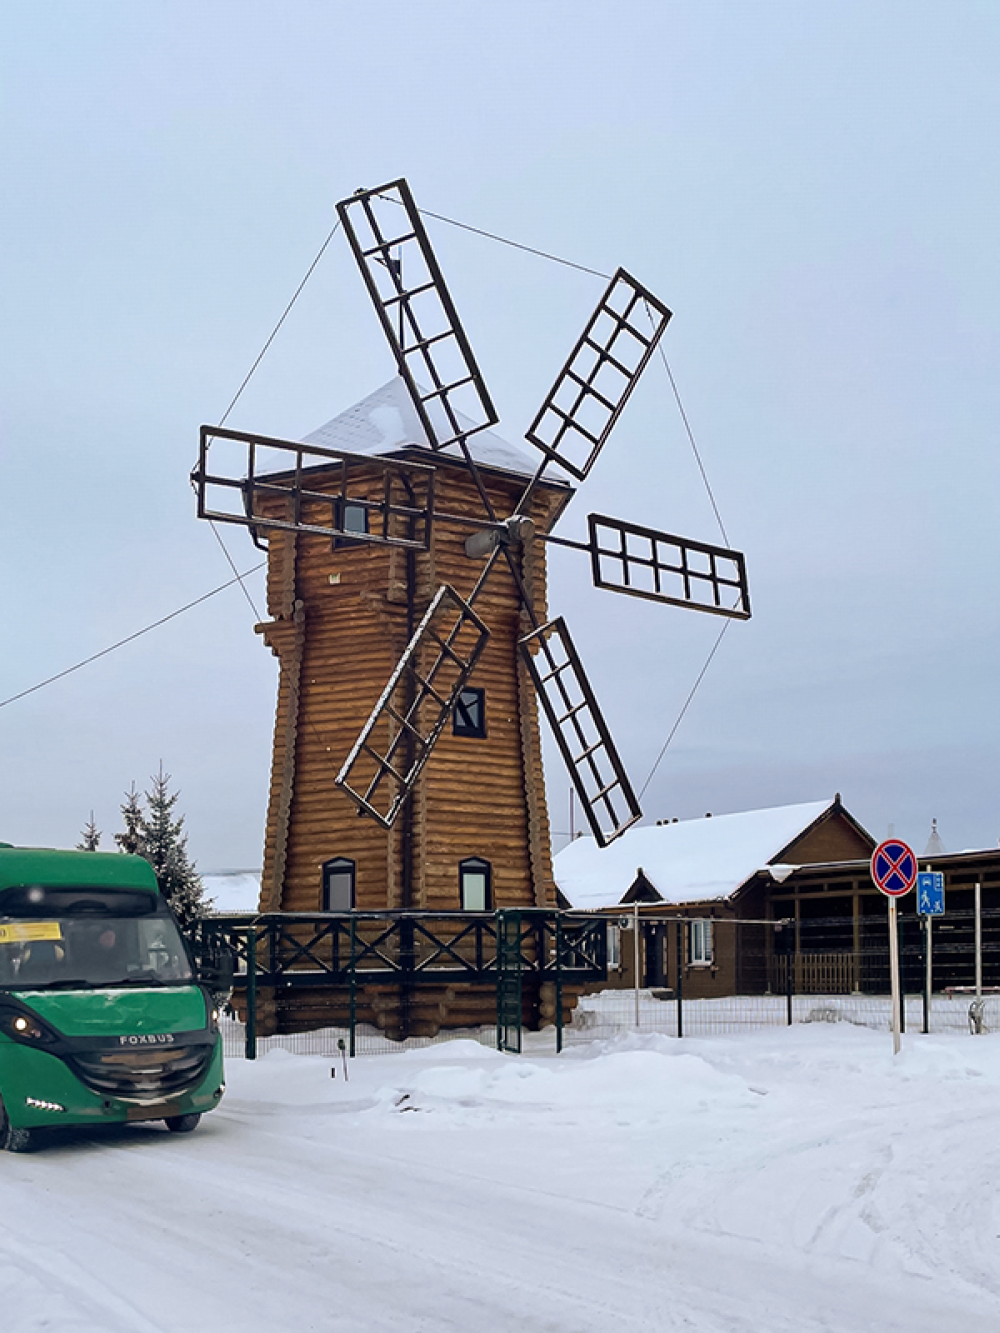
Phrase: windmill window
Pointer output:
(469, 718)
(474, 884)
(338, 885)
(350, 517)
(700, 943)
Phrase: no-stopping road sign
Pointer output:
(894, 868)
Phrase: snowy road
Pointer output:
(791, 1179)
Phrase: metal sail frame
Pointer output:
(421, 325)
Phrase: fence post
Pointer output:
(250, 1033)
(635, 958)
(679, 988)
(791, 957)
(353, 1014)
(559, 1011)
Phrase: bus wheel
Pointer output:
(12, 1139)
(182, 1124)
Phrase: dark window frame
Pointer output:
(342, 865)
(475, 865)
(463, 722)
(344, 506)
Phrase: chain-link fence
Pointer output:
(332, 1042)
(613, 1013)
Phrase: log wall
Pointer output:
(341, 618)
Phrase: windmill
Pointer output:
(296, 489)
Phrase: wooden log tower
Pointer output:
(474, 833)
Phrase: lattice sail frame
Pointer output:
(426, 334)
(396, 741)
(663, 567)
(291, 500)
(580, 731)
(421, 324)
(589, 393)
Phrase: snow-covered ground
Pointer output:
(785, 1179)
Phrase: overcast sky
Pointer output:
(812, 188)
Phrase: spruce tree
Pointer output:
(91, 837)
(163, 842)
(131, 809)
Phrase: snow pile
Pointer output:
(795, 1179)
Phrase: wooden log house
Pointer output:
(704, 889)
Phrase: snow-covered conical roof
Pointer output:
(386, 421)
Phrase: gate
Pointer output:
(509, 966)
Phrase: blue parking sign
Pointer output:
(930, 893)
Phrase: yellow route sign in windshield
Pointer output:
(22, 932)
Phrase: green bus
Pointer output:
(103, 1016)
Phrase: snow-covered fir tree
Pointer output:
(90, 838)
(153, 832)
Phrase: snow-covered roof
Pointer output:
(694, 860)
(232, 890)
(386, 421)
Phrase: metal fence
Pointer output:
(759, 974)
(614, 1013)
(334, 1042)
(610, 1014)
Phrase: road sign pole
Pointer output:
(894, 871)
(979, 940)
(894, 974)
(928, 992)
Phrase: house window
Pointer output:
(700, 943)
(350, 517)
(614, 946)
(338, 885)
(469, 718)
(474, 884)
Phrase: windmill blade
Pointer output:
(413, 709)
(594, 385)
(580, 731)
(417, 313)
(664, 568)
(266, 484)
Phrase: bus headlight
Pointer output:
(27, 1029)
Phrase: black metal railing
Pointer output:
(292, 949)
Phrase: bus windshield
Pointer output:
(65, 938)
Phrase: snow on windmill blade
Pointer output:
(418, 316)
(643, 562)
(581, 408)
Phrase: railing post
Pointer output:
(251, 1023)
(354, 987)
(790, 961)
(559, 1016)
